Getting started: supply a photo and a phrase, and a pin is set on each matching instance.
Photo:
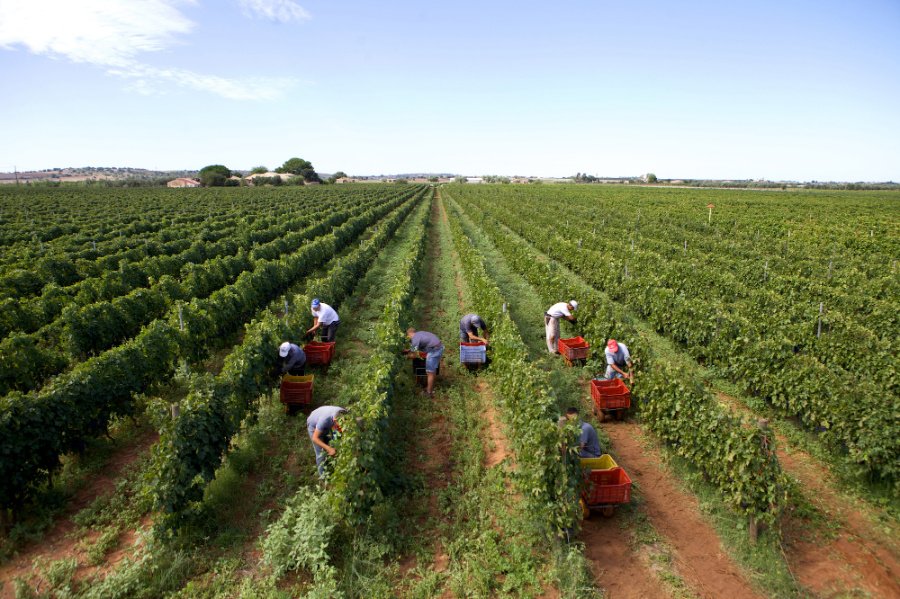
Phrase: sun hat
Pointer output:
(574, 304)
(613, 345)
(283, 349)
(315, 303)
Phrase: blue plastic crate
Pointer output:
(472, 353)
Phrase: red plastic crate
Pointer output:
(297, 390)
(610, 395)
(319, 352)
(574, 348)
(607, 487)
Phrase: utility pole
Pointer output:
(16, 170)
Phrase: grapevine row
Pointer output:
(738, 459)
(191, 447)
(36, 429)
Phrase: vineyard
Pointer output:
(144, 451)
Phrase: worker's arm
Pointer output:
(474, 337)
(314, 326)
(317, 439)
(570, 318)
(627, 375)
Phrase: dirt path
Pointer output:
(700, 558)
(429, 456)
(857, 557)
(621, 572)
(62, 540)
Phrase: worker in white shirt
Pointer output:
(324, 316)
(551, 322)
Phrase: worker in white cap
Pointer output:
(326, 317)
(293, 360)
(551, 322)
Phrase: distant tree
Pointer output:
(294, 166)
(460, 180)
(433, 179)
(401, 181)
(214, 175)
(340, 175)
(258, 170)
(651, 178)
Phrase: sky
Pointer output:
(781, 90)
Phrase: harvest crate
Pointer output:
(296, 392)
(573, 348)
(606, 488)
(472, 353)
(418, 366)
(610, 396)
(319, 353)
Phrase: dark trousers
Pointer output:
(329, 331)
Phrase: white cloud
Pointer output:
(112, 33)
(148, 80)
(104, 32)
(282, 11)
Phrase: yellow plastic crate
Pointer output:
(604, 462)
(290, 378)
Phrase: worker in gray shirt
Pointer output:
(430, 344)
(588, 441)
(319, 425)
(470, 326)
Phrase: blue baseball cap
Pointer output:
(315, 303)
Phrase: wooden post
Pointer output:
(180, 318)
(176, 411)
(755, 526)
(821, 308)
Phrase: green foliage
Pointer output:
(214, 175)
(299, 538)
(718, 445)
(547, 479)
(36, 429)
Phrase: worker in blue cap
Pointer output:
(324, 317)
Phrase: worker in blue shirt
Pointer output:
(430, 344)
(588, 441)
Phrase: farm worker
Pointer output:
(588, 442)
(319, 425)
(470, 326)
(324, 316)
(617, 359)
(433, 348)
(293, 360)
(551, 322)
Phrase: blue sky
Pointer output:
(779, 90)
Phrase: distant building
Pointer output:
(183, 182)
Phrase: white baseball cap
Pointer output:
(574, 304)
(283, 349)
